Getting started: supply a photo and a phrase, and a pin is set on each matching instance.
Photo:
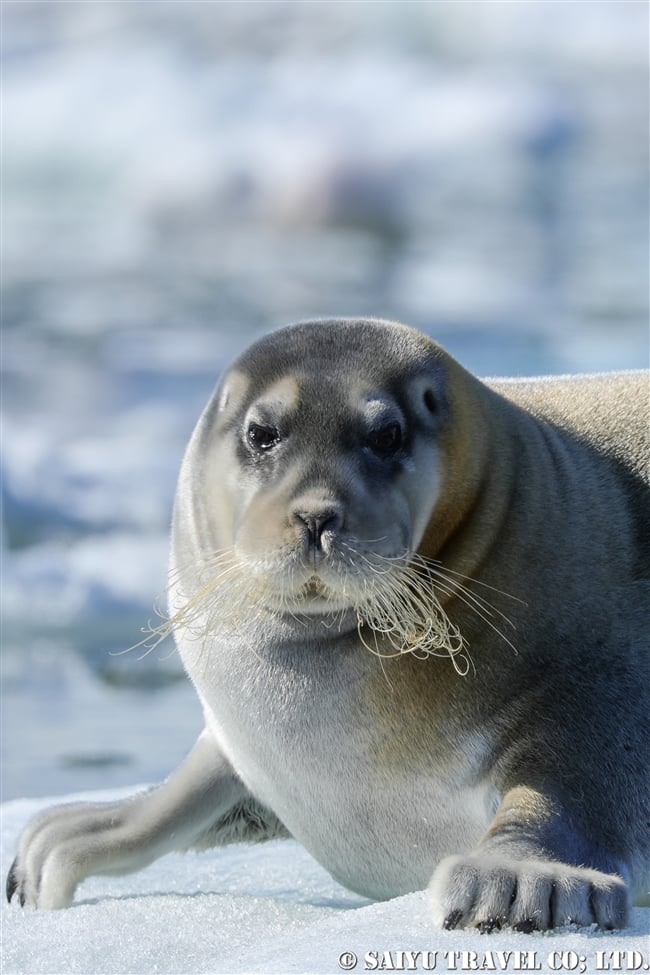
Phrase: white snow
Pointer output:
(269, 908)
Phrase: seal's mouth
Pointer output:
(316, 587)
(316, 596)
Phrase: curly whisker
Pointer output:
(397, 600)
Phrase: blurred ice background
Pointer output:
(179, 177)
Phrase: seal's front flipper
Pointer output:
(515, 878)
(528, 895)
(65, 844)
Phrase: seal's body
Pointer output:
(413, 607)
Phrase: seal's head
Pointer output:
(313, 473)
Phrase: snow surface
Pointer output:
(267, 908)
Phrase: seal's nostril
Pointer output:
(317, 522)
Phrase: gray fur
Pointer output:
(522, 788)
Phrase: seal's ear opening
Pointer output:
(430, 400)
(427, 399)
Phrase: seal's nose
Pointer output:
(316, 521)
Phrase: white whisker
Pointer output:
(396, 600)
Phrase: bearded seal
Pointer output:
(413, 607)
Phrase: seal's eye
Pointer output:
(386, 440)
(261, 437)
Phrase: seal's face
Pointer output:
(322, 460)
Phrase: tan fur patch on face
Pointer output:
(234, 391)
(284, 394)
